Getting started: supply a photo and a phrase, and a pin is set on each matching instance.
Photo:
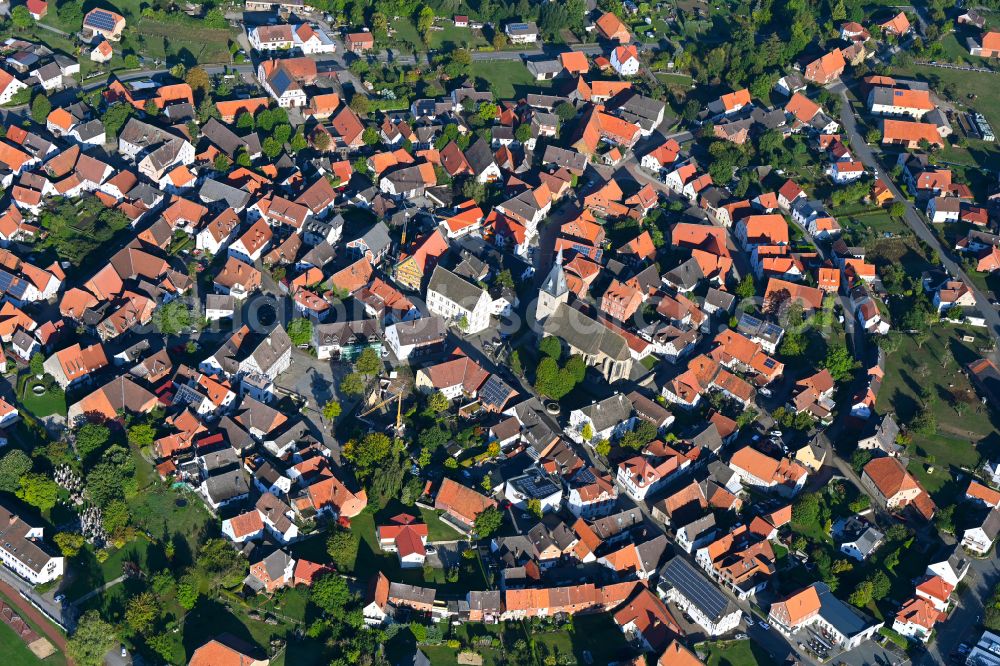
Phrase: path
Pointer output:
(33, 614)
(93, 593)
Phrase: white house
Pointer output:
(608, 419)
(625, 60)
(687, 588)
(952, 569)
(414, 338)
(22, 550)
(458, 301)
(979, 539)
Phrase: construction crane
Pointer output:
(399, 409)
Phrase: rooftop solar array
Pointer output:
(101, 20)
(494, 391)
(695, 587)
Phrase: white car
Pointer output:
(749, 619)
(765, 626)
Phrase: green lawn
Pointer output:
(509, 78)
(450, 36)
(16, 653)
(50, 402)
(733, 653)
(89, 574)
(168, 514)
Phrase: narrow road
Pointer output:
(913, 218)
(32, 613)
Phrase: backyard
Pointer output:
(507, 78)
(964, 426)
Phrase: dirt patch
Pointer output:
(42, 648)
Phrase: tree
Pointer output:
(880, 585)
(368, 362)
(132, 62)
(141, 434)
(862, 594)
(37, 364)
(271, 147)
(360, 104)
(353, 384)
(588, 432)
(806, 511)
(425, 19)
(115, 518)
(115, 117)
(860, 458)
(640, 436)
(321, 140)
(370, 136)
(523, 132)
(187, 592)
(300, 331)
(438, 402)
(746, 288)
(13, 466)
(92, 640)
(40, 107)
(840, 362)
(342, 547)
(515, 363)
(897, 209)
(172, 318)
(602, 447)
(944, 520)
(925, 422)
(222, 162)
(142, 612)
(566, 111)
(551, 347)
(90, 438)
(21, 17)
(299, 143)
(331, 410)
(39, 491)
(473, 189)
(69, 543)
(535, 507)
(331, 594)
(199, 80)
(368, 452)
(488, 521)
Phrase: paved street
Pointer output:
(913, 218)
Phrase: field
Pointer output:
(15, 652)
(197, 45)
(964, 426)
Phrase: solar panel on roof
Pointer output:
(101, 20)
(769, 363)
(695, 587)
(494, 391)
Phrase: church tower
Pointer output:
(553, 291)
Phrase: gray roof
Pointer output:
(213, 191)
(720, 299)
(346, 332)
(479, 156)
(377, 238)
(227, 486)
(525, 28)
(227, 141)
(537, 67)
(608, 412)
(585, 334)
(610, 526)
(570, 159)
(555, 282)
(412, 593)
(220, 302)
(143, 134)
(486, 600)
(685, 276)
(455, 288)
(991, 524)
(842, 617)
(421, 331)
(649, 410)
